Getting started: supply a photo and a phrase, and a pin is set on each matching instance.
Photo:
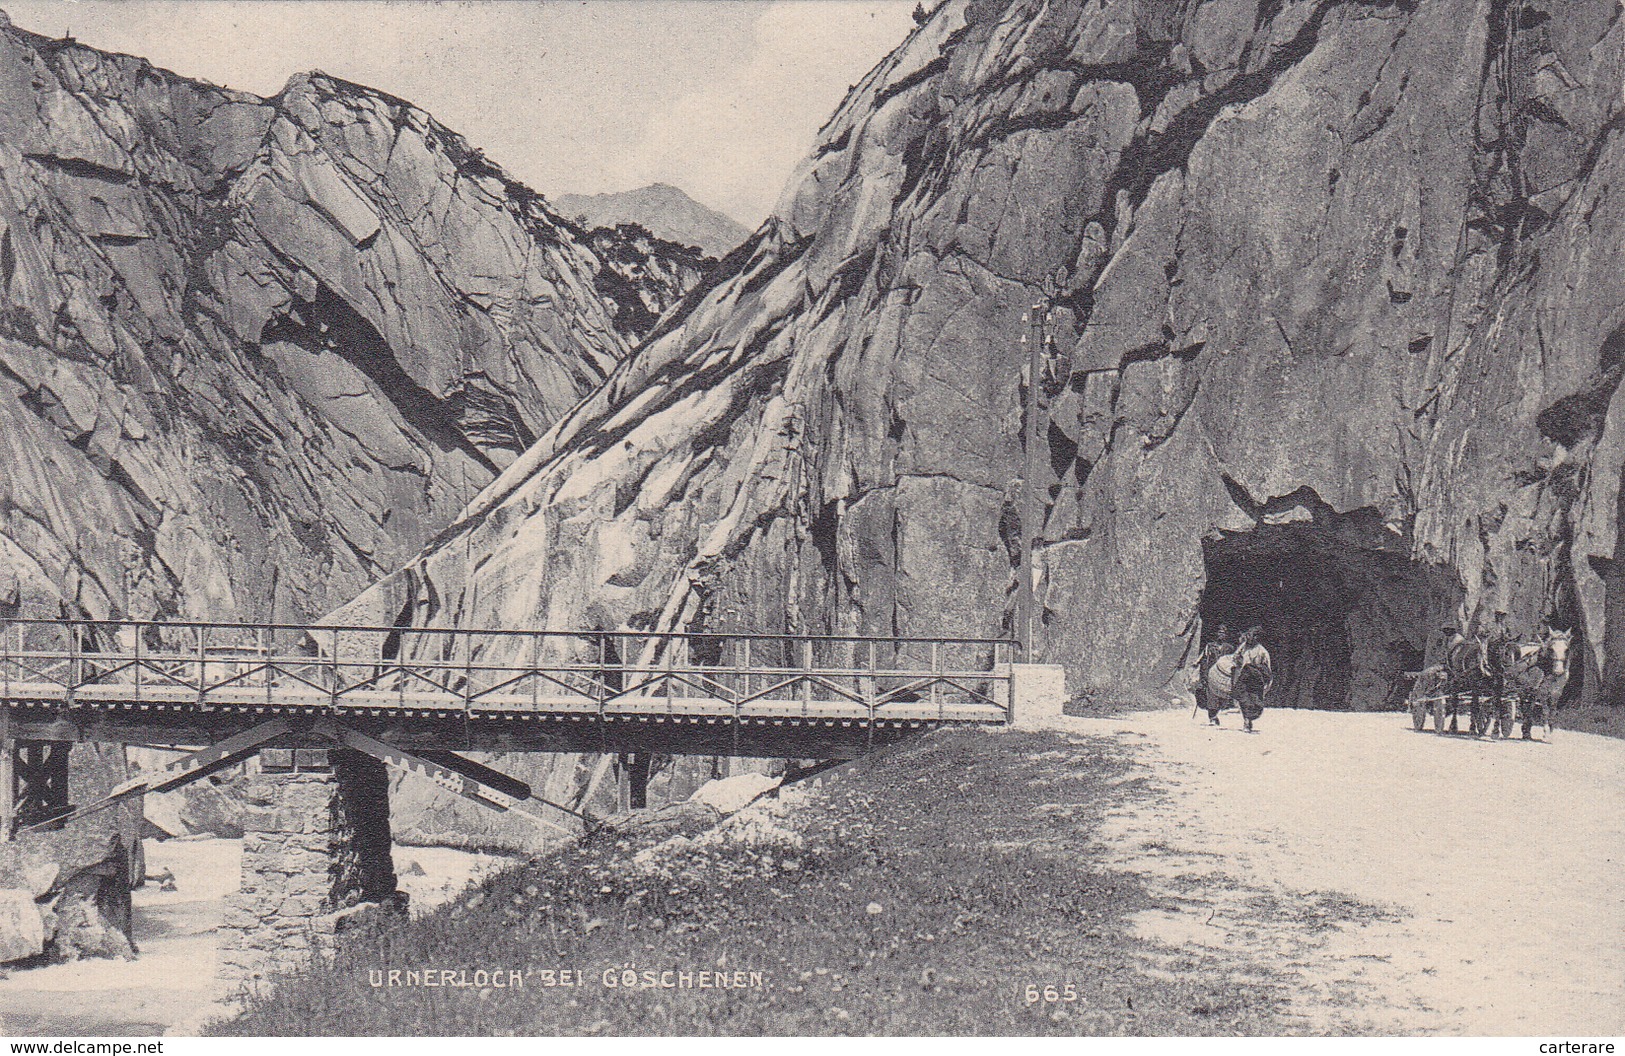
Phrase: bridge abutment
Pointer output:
(316, 844)
(1037, 695)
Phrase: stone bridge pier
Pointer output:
(317, 844)
(316, 850)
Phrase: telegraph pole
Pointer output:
(10, 607)
(1026, 602)
(8, 749)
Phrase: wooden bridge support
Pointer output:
(634, 772)
(39, 791)
(8, 790)
(316, 845)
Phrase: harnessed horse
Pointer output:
(1243, 678)
(1468, 664)
(1537, 673)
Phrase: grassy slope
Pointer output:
(1605, 719)
(973, 846)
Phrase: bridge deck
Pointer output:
(496, 690)
(284, 701)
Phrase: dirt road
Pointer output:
(1385, 879)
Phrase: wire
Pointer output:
(1547, 310)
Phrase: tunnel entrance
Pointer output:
(1343, 609)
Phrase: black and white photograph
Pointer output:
(623, 519)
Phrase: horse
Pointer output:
(1467, 662)
(1244, 678)
(1537, 672)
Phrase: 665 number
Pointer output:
(1050, 995)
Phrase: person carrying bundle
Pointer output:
(1220, 645)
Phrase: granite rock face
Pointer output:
(1334, 297)
(22, 929)
(255, 352)
(643, 274)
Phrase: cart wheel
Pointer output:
(1419, 715)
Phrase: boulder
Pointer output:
(84, 929)
(22, 930)
(729, 795)
(39, 877)
(673, 819)
(77, 883)
(162, 811)
(217, 807)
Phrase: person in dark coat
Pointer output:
(1219, 645)
(1469, 676)
(1253, 676)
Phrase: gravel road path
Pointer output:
(1388, 880)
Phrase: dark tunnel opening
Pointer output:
(1341, 617)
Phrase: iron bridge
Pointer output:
(182, 684)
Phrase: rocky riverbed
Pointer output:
(171, 987)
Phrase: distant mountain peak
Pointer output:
(666, 211)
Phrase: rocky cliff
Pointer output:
(255, 352)
(1335, 292)
(642, 273)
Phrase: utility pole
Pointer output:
(8, 779)
(1026, 602)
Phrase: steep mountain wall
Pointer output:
(644, 274)
(255, 352)
(1335, 291)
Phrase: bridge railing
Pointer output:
(610, 672)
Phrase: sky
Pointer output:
(719, 97)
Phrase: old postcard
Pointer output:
(958, 518)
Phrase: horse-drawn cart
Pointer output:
(1431, 694)
(1525, 683)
